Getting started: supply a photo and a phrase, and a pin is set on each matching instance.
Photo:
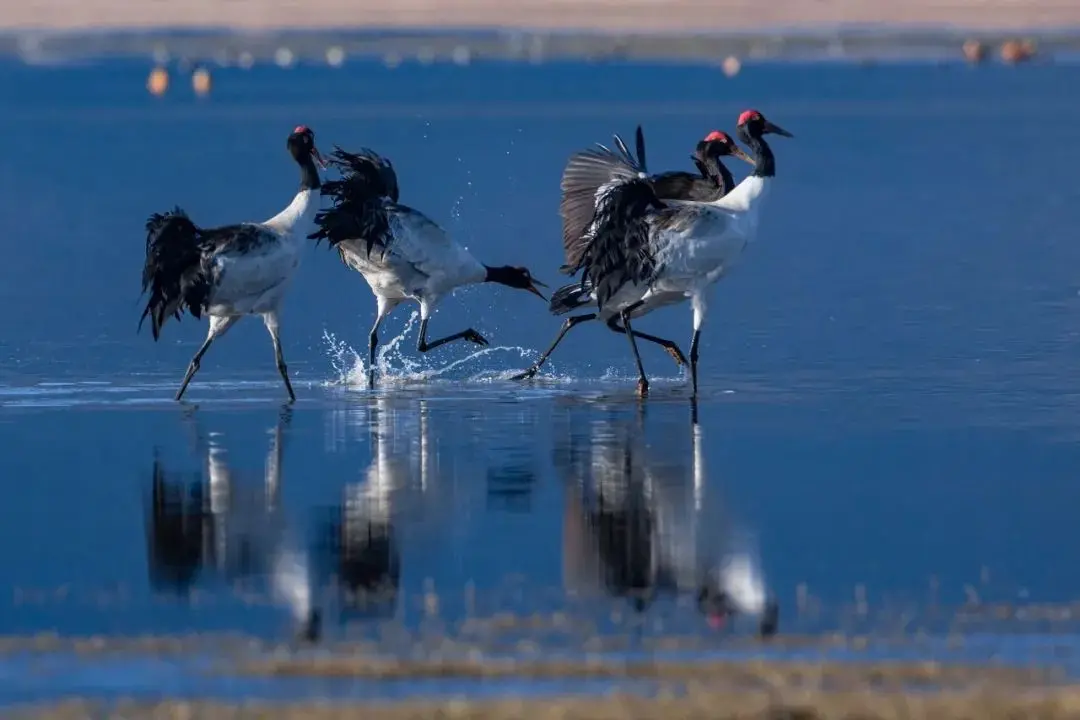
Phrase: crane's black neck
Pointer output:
(309, 175)
(720, 174)
(503, 275)
(764, 163)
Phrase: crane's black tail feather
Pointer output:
(367, 187)
(570, 297)
(173, 274)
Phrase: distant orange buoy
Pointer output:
(158, 82)
(731, 66)
(1014, 51)
(200, 81)
(974, 51)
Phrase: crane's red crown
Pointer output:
(749, 115)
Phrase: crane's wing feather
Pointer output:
(360, 198)
(620, 249)
(354, 218)
(587, 175)
(611, 198)
(366, 170)
(675, 185)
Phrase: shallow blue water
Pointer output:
(889, 394)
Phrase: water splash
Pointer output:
(397, 364)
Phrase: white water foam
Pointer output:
(396, 364)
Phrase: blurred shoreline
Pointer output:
(702, 16)
(248, 31)
(393, 47)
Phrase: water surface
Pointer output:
(888, 386)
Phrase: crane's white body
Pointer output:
(253, 279)
(694, 250)
(421, 263)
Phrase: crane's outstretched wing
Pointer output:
(587, 175)
(614, 247)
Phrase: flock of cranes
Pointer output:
(640, 242)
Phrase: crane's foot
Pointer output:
(527, 374)
(475, 337)
(676, 355)
(642, 387)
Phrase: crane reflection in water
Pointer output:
(360, 536)
(637, 526)
(216, 524)
(637, 523)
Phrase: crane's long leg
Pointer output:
(694, 359)
(386, 306)
(422, 343)
(567, 325)
(218, 326)
(468, 334)
(643, 382)
(671, 346)
(700, 307)
(270, 319)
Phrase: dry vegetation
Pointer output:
(710, 691)
(755, 689)
(760, 674)
(697, 703)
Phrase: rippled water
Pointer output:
(889, 396)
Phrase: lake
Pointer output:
(889, 408)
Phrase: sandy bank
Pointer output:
(597, 15)
(695, 703)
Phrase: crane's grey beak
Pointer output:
(534, 291)
(318, 157)
(736, 151)
(776, 130)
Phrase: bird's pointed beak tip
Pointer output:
(777, 130)
(533, 289)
